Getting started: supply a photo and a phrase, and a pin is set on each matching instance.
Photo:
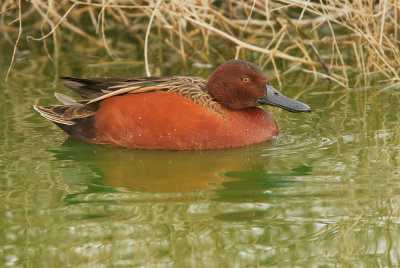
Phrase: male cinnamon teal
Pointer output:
(173, 113)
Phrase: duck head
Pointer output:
(238, 84)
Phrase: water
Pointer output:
(323, 193)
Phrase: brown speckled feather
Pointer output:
(95, 90)
(193, 88)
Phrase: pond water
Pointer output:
(325, 192)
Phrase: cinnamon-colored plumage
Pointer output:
(172, 113)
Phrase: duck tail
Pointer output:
(54, 114)
(73, 117)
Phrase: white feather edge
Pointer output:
(52, 117)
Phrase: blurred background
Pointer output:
(323, 193)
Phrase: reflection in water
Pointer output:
(324, 193)
(257, 186)
(161, 171)
(131, 185)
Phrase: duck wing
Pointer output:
(92, 88)
(95, 90)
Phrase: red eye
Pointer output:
(245, 79)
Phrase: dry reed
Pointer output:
(331, 39)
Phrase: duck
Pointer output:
(173, 113)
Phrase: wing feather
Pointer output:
(96, 90)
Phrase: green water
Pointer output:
(324, 193)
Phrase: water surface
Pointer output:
(325, 192)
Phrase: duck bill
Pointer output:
(275, 98)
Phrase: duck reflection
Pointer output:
(227, 176)
(163, 171)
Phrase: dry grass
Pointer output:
(332, 39)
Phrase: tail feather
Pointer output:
(48, 113)
(77, 120)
